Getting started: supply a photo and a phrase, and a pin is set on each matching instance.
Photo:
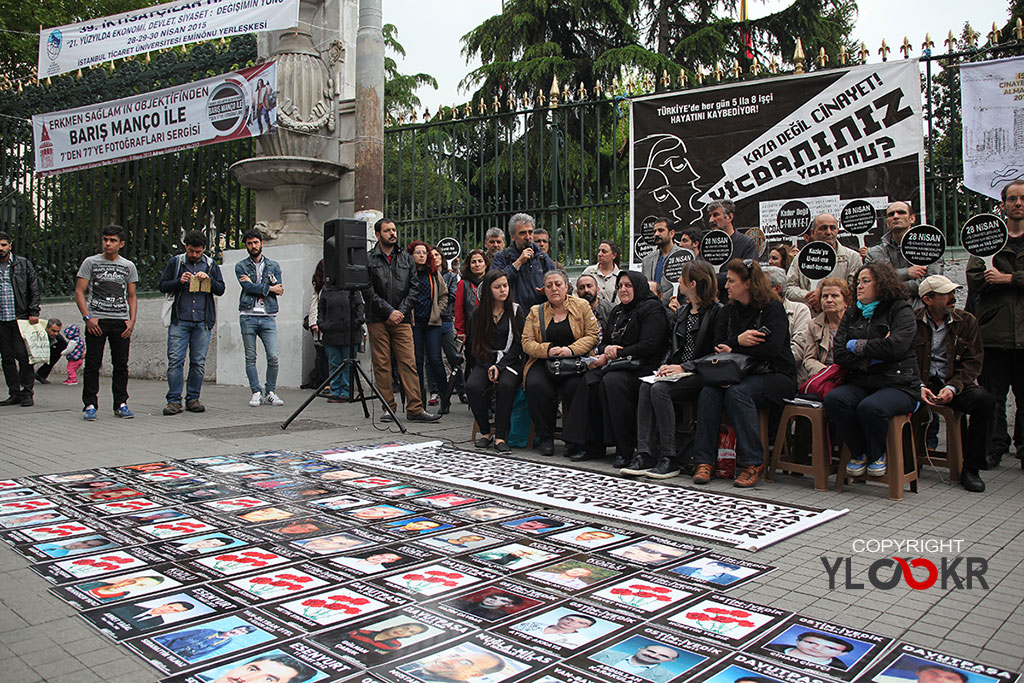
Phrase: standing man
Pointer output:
(257, 310)
(898, 219)
(653, 266)
(543, 240)
(109, 312)
(824, 228)
(1000, 311)
(690, 239)
(391, 298)
(949, 358)
(524, 262)
(19, 300)
(721, 215)
(494, 241)
(194, 279)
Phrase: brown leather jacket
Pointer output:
(964, 352)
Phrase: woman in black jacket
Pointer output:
(693, 334)
(496, 329)
(634, 345)
(753, 323)
(875, 343)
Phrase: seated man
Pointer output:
(949, 358)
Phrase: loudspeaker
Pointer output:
(345, 259)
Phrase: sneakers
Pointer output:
(665, 469)
(89, 413)
(433, 400)
(122, 411)
(703, 474)
(856, 467)
(195, 406)
(172, 408)
(273, 399)
(70, 383)
(748, 476)
(257, 399)
(642, 462)
(877, 468)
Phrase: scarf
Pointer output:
(867, 310)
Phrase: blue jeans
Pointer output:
(862, 416)
(741, 401)
(194, 338)
(427, 340)
(265, 328)
(451, 352)
(335, 355)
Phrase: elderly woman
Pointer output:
(813, 348)
(753, 323)
(562, 327)
(875, 343)
(635, 344)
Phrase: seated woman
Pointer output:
(753, 323)
(693, 333)
(563, 326)
(635, 343)
(496, 330)
(875, 343)
(813, 346)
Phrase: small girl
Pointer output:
(76, 355)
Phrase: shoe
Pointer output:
(621, 460)
(992, 460)
(42, 380)
(172, 408)
(12, 400)
(433, 400)
(386, 417)
(122, 411)
(89, 413)
(703, 474)
(423, 417)
(665, 469)
(972, 481)
(463, 398)
(195, 406)
(572, 449)
(273, 399)
(484, 442)
(877, 468)
(748, 476)
(856, 467)
(337, 399)
(546, 446)
(581, 456)
(641, 463)
(502, 447)
(257, 399)
(27, 401)
(70, 383)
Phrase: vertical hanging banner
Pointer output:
(992, 107)
(76, 46)
(825, 139)
(237, 105)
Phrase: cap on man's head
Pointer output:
(936, 284)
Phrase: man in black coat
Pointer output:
(19, 300)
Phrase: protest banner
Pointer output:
(991, 106)
(231, 106)
(87, 43)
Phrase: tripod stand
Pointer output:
(357, 374)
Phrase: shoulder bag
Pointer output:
(560, 365)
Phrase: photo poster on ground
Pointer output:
(845, 134)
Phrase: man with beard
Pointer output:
(721, 215)
(653, 266)
(586, 288)
(19, 300)
(899, 218)
(260, 279)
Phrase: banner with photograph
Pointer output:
(845, 134)
(992, 107)
(232, 106)
(75, 46)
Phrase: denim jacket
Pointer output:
(251, 291)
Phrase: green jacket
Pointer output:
(1000, 308)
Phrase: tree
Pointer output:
(400, 89)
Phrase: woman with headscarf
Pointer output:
(634, 345)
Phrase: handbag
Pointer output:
(824, 381)
(627, 363)
(723, 369)
(560, 365)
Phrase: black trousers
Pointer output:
(1003, 370)
(542, 397)
(110, 330)
(980, 407)
(18, 373)
(477, 387)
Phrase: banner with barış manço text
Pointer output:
(825, 138)
(75, 46)
(237, 105)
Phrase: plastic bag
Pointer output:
(725, 467)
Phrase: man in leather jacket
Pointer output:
(19, 300)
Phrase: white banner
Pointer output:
(75, 46)
(992, 106)
(232, 106)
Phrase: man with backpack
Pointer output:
(190, 280)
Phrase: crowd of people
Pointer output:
(618, 354)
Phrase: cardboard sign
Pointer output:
(794, 218)
(984, 236)
(923, 245)
(816, 260)
(716, 247)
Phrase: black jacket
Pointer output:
(26, 287)
(390, 284)
(888, 337)
(170, 283)
(706, 330)
(641, 329)
(333, 317)
(775, 351)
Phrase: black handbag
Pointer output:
(624, 363)
(560, 366)
(723, 369)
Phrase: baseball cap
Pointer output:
(936, 284)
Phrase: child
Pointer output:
(76, 355)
